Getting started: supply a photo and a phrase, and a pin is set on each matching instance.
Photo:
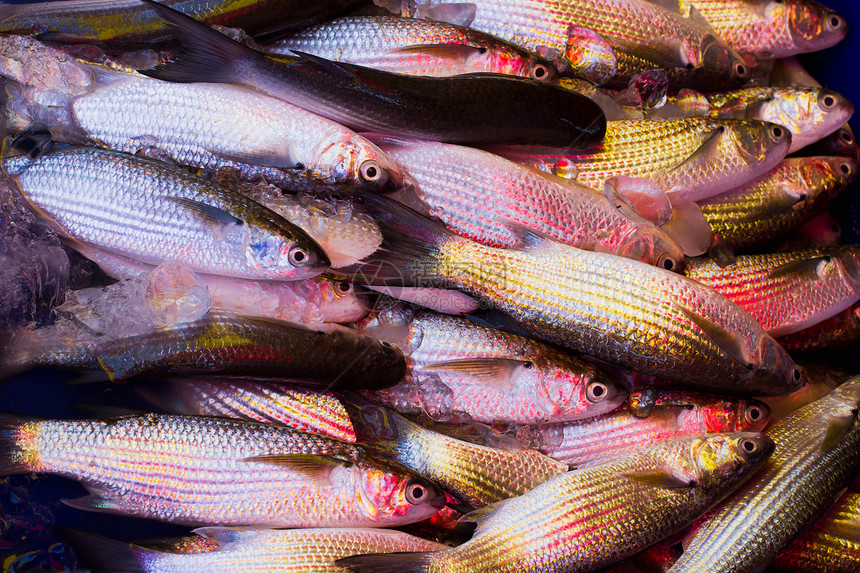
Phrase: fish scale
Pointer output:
(197, 470)
(828, 284)
(799, 482)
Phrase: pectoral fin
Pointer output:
(837, 427)
(662, 479)
(728, 342)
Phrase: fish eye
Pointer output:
(667, 262)
(846, 137)
(753, 414)
(845, 169)
(415, 493)
(596, 392)
(777, 133)
(827, 101)
(370, 171)
(538, 72)
(299, 257)
(795, 374)
(749, 446)
(342, 288)
(386, 344)
(528, 365)
(836, 22)
(740, 70)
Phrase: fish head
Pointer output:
(340, 303)
(809, 113)
(849, 260)
(650, 244)
(503, 59)
(849, 392)
(284, 251)
(842, 143)
(351, 159)
(382, 358)
(391, 495)
(813, 26)
(733, 415)
(772, 363)
(821, 179)
(575, 389)
(723, 459)
(759, 144)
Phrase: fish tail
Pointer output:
(418, 562)
(17, 456)
(413, 248)
(206, 55)
(104, 554)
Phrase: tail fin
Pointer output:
(206, 55)
(389, 562)
(14, 455)
(104, 554)
(411, 252)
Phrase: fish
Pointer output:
(193, 470)
(488, 199)
(779, 201)
(820, 381)
(810, 113)
(587, 443)
(151, 212)
(215, 344)
(235, 549)
(642, 35)
(415, 47)
(450, 109)
(461, 370)
(817, 449)
(692, 158)
(789, 291)
(130, 22)
(841, 143)
(281, 402)
(830, 545)
(621, 311)
(839, 331)
(206, 126)
(581, 521)
(769, 29)
(474, 474)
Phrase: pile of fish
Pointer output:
(435, 286)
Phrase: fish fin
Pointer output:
(403, 562)
(642, 195)
(411, 247)
(725, 340)
(661, 478)
(261, 158)
(837, 427)
(482, 515)
(97, 501)
(807, 269)
(846, 529)
(103, 554)
(498, 371)
(663, 56)
(230, 535)
(670, 5)
(326, 65)
(316, 468)
(688, 227)
(13, 456)
(697, 18)
(33, 141)
(457, 13)
(590, 55)
(456, 52)
(721, 252)
(208, 213)
(206, 55)
(704, 152)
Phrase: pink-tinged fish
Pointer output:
(840, 331)
(198, 470)
(789, 291)
(460, 370)
(586, 443)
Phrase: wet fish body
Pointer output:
(415, 47)
(840, 331)
(197, 470)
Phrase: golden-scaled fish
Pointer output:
(642, 35)
(244, 550)
(841, 331)
(151, 212)
(460, 370)
(415, 47)
(215, 344)
(586, 443)
(768, 28)
(778, 201)
(586, 520)
(694, 158)
(621, 311)
(810, 113)
(787, 291)
(208, 126)
(274, 401)
(130, 21)
(488, 198)
(195, 470)
(452, 109)
(830, 545)
(816, 455)
(476, 475)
